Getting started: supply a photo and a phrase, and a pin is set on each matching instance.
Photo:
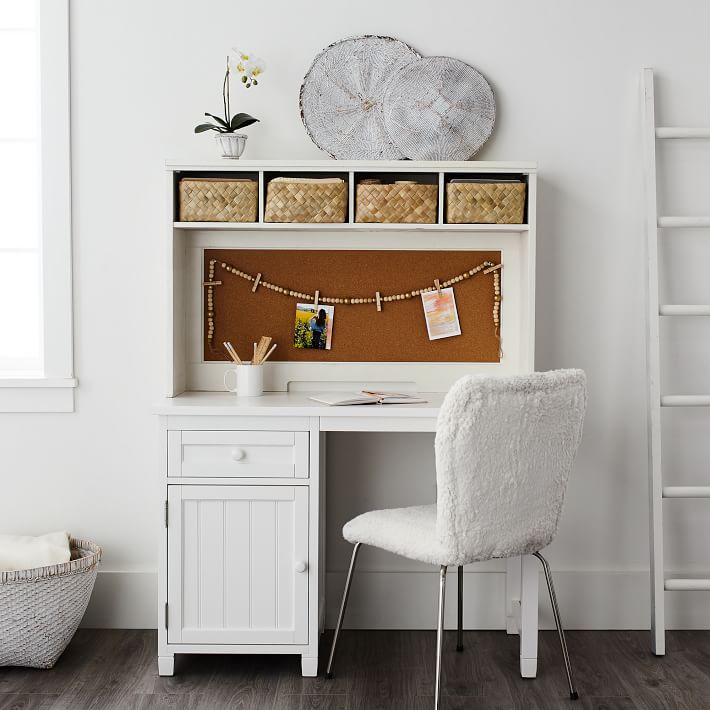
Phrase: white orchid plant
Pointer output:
(250, 67)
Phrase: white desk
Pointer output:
(242, 564)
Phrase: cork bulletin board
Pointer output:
(360, 333)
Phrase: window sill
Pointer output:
(37, 394)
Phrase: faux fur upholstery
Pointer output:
(504, 451)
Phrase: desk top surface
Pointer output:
(289, 404)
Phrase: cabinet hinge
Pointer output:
(166, 616)
(166, 513)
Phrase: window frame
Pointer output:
(52, 390)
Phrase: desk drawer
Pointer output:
(238, 454)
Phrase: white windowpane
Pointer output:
(19, 311)
(19, 85)
(20, 284)
(19, 196)
(17, 13)
(34, 236)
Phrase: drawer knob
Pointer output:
(300, 566)
(238, 454)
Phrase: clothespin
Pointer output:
(379, 300)
(256, 282)
(316, 298)
(438, 286)
(490, 269)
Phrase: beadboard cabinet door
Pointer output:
(238, 564)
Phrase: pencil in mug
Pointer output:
(232, 352)
(266, 357)
(229, 352)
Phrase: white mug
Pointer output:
(249, 380)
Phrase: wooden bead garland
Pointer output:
(309, 297)
(487, 267)
(210, 283)
(496, 300)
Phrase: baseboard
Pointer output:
(588, 600)
(407, 600)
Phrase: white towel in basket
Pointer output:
(26, 552)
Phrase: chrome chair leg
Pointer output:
(343, 604)
(459, 637)
(558, 622)
(440, 635)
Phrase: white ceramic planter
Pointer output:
(231, 145)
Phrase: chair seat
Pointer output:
(409, 532)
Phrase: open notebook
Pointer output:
(335, 399)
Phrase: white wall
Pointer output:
(565, 75)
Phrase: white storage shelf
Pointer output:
(349, 226)
(353, 172)
(187, 242)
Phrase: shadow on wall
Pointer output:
(367, 471)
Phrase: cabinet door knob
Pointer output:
(238, 454)
(300, 566)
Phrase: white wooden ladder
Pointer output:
(654, 225)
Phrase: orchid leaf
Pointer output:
(219, 120)
(205, 127)
(241, 120)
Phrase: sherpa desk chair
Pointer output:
(504, 450)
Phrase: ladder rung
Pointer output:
(692, 310)
(684, 221)
(686, 585)
(685, 400)
(686, 491)
(683, 132)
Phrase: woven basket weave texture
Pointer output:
(218, 200)
(40, 608)
(485, 203)
(438, 108)
(306, 202)
(404, 203)
(342, 93)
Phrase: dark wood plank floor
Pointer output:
(375, 670)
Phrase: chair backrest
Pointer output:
(504, 450)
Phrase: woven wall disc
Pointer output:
(342, 93)
(438, 108)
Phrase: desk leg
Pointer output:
(309, 666)
(529, 616)
(316, 546)
(512, 594)
(166, 665)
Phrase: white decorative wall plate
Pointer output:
(342, 94)
(438, 108)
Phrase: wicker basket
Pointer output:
(485, 202)
(398, 203)
(40, 608)
(218, 200)
(309, 202)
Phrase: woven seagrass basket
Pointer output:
(218, 200)
(40, 608)
(309, 202)
(397, 203)
(485, 202)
